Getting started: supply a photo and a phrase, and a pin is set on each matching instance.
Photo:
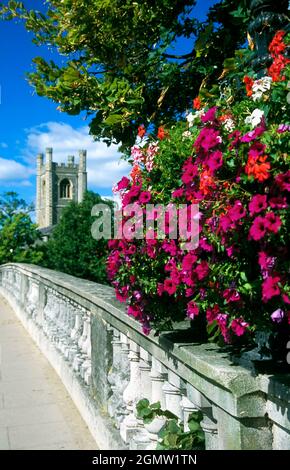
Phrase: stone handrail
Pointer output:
(107, 365)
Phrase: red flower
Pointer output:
(258, 168)
(202, 270)
(141, 131)
(236, 212)
(212, 313)
(144, 197)
(197, 103)
(161, 134)
(248, 81)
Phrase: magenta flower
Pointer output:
(202, 270)
(169, 246)
(258, 204)
(283, 128)
(188, 261)
(226, 223)
(222, 320)
(252, 135)
(283, 181)
(123, 183)
(256, 150)
(169, 286)
(231, 295)
(237, 212)
(210, 115)
(278, 203)
(270, 288)
(178, 193)
(212, 313)
(207, 139)
(258, 229)
(278, 315)
(265, 261)
(144, 197)
(192, 310)
(273, 222)
(135, 311)
(239, 326)
(215, 161)
(189, 173)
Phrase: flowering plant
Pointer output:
(232, 158)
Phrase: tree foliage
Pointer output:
(18, 234)
(118, 62)
(71, 248)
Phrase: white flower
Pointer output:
(191, 118)
(260, 87)
(255, 118)
(186, 134)
(229, 125)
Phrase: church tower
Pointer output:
(58, 185)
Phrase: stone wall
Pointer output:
(107, 365)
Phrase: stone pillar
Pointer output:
(49, 188)
(39, 202)
(132, 393)
(82, 175)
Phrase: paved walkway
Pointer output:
(35, 409)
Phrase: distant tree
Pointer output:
(18, 234)
(71, 248)
(118, 62)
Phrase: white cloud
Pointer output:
(11, 171)
(104, 165)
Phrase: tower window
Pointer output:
(65, 189)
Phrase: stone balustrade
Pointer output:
(107, 365)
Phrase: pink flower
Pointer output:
(237, 212)
(144, 197)
(286, 299)
(278, 315)
(258, 229)
(203, 243)
(239, 326)
(273, 222)
(258, 204)
(257, 149)
(192, 310)
(231, 295)
(169, 286)
(270, 288)
(202, 270)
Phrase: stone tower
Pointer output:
(58, 185)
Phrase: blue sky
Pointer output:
(29, 123)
